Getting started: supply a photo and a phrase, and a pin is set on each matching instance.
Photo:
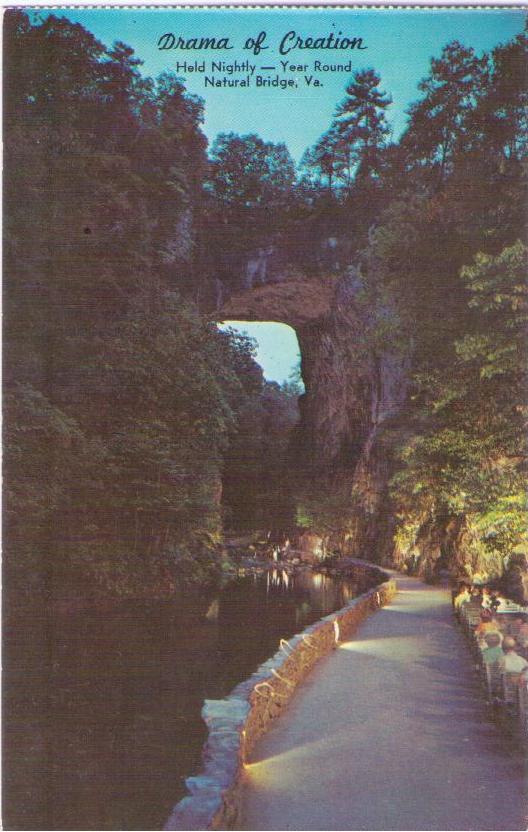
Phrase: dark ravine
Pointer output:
(236, 722)
(356, 410)
(352, 394)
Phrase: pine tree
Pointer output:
(361, 125)
(438, 121)
(325, 161)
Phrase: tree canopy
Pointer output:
(135, 429)
(122, 400)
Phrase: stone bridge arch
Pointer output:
(351, 393)
(306, 306)
(297, 302)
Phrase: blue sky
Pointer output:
(400, 44)
(277, 347)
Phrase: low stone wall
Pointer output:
(236, 722)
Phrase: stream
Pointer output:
(103, 710)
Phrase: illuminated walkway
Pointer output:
(389, 732)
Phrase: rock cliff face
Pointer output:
(452, 544)
(351, 396)
(354, 413)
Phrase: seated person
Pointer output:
(513, 625)
(486, 598)
(511, 662)
(488, 624)
(462, 597)
(476, 595)
(493, 650)
(498, 602)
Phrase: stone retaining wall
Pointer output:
(236, 722)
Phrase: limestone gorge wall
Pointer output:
(354, 414)
(455, 543)
(342, 450)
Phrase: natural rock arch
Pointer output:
(351, 393)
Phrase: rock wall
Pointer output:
(353, 392)
(353, 396)
(453, 544)
(236, 722)
(516, 577)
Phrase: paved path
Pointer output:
(389, 732)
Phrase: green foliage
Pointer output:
(470, 459)
(438, 121)
(247, 173)
(120, 399)
(41, 442)
(128, 415)
(294, 387)
(361, 124)
(464, 324)
(500, 294)
(326, 509)
(352, 147)
(256, 478)
(250, 194)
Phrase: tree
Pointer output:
(361, 124)
(325, 160)
(120, 399)
(248, 173)
(256, 476)
(500, 122)
(467, 464)
(353, 145)
(439, 119)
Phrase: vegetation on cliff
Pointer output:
(453, 257)
(440, 268)
(123, 404)
(128, 413)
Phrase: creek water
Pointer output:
(102, 709)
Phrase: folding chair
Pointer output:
(494, 681)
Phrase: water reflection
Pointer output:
(278, 578)
(103, 710)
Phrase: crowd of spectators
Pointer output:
(498, 630)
